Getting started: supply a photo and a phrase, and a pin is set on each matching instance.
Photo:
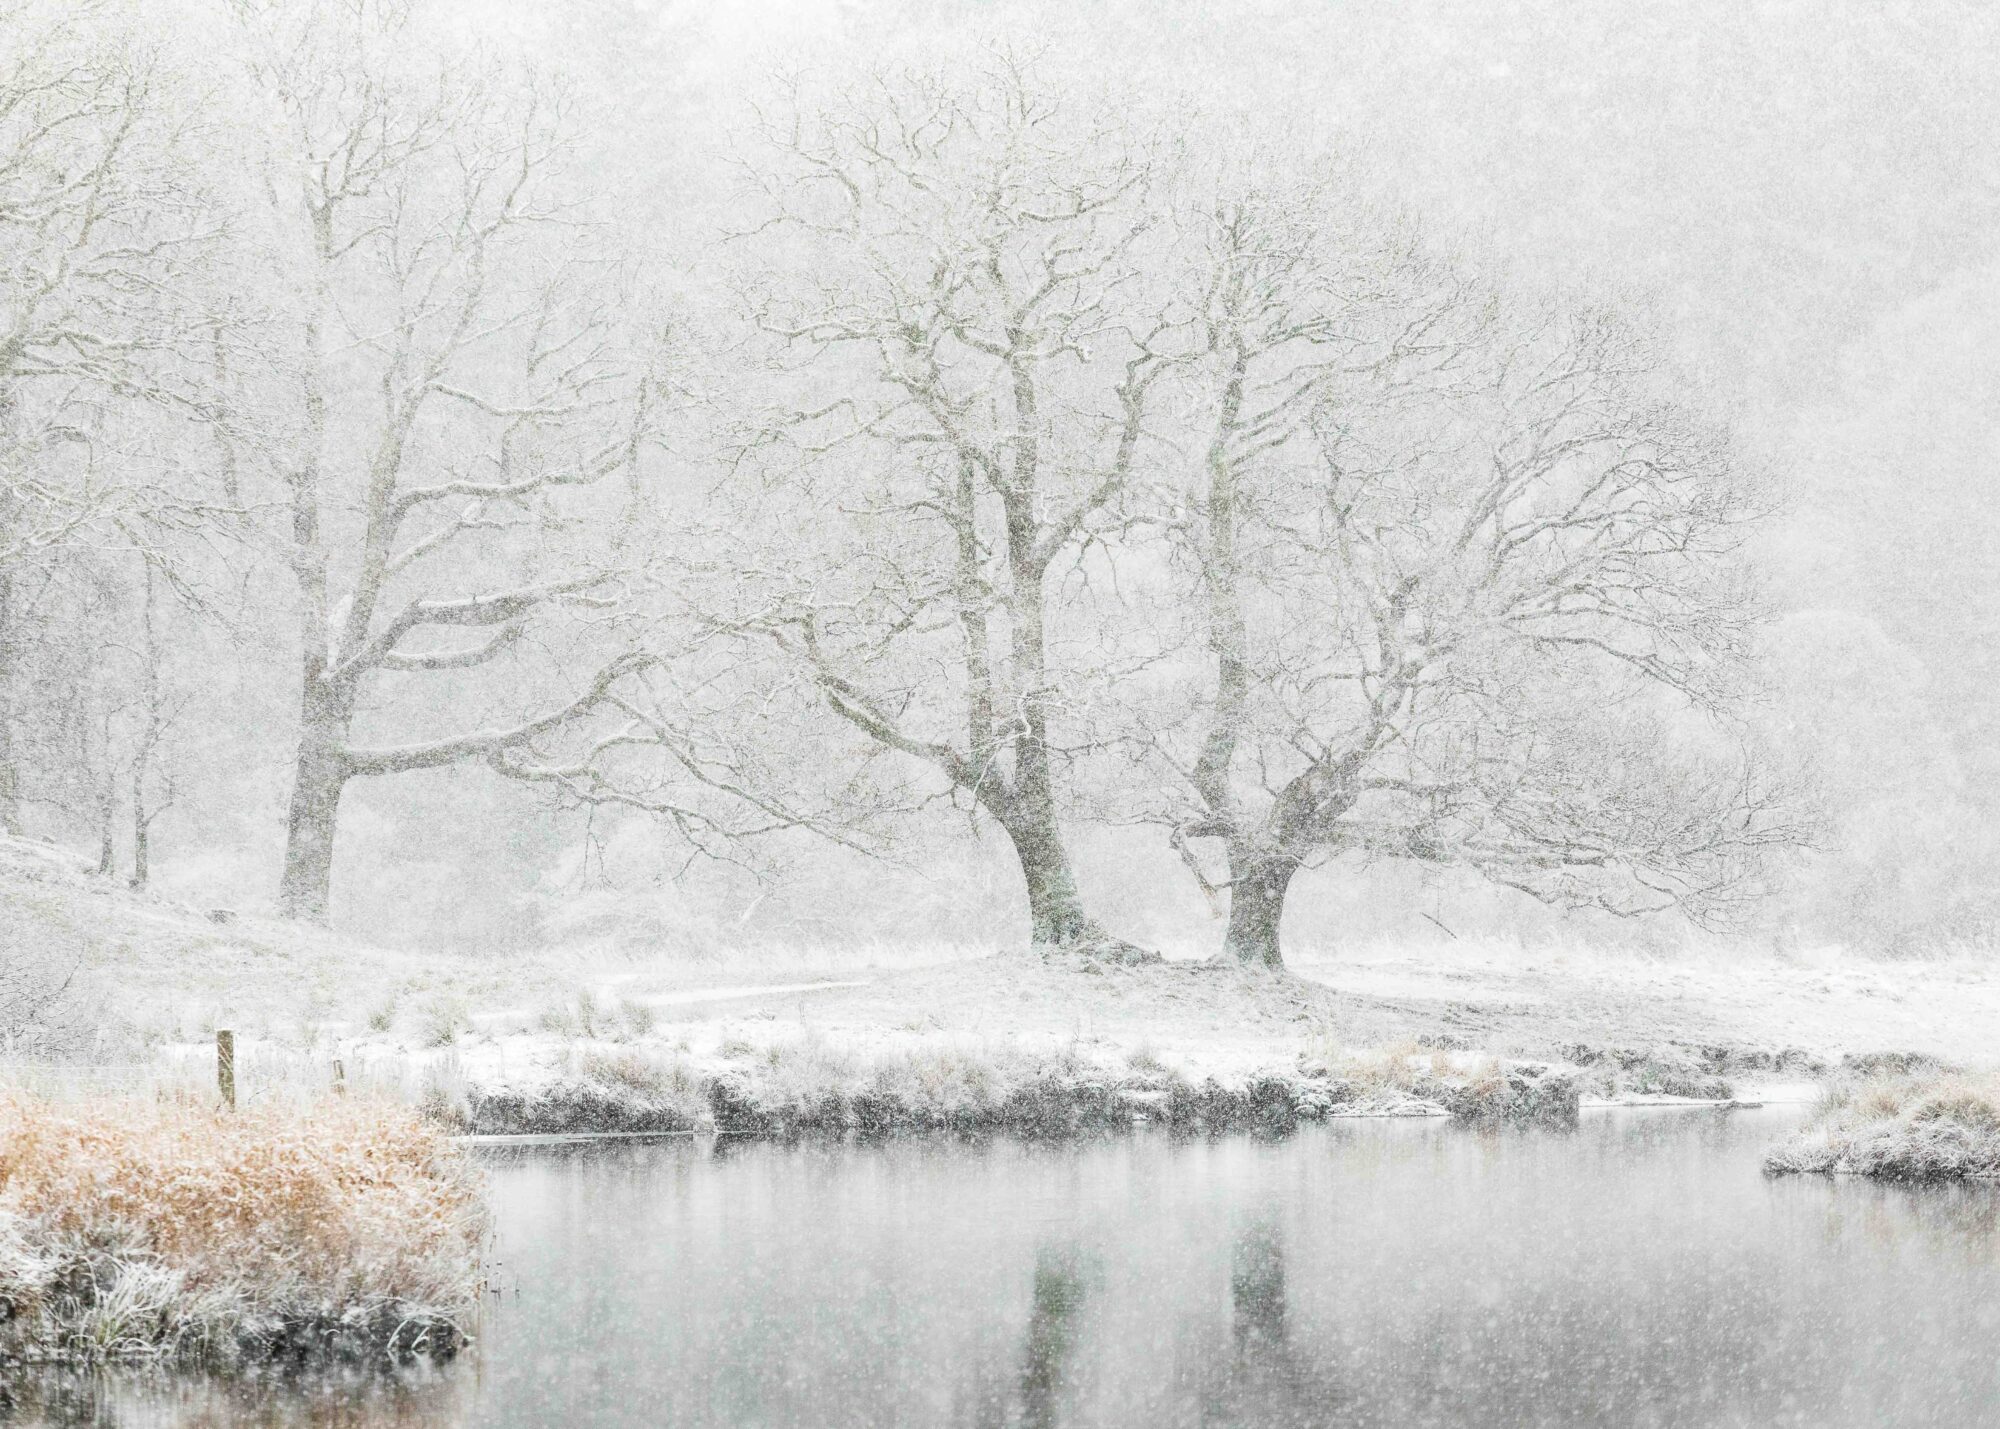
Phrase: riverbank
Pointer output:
(814, 1085)
(1929, 1123)
(142, 1229)
(768, 1040)
(1066, 1045)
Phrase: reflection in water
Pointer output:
(367, 1396)
(1959, 1222)
(1265, 1372)
(1257, 1294)
(1268, 1382)
(1052, 1335)
(1639, 1271)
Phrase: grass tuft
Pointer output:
(1940, 1126)
(1145, 1058)
(444, 1020)
(639, 1017)
(1405, 1067)
(579, 1018)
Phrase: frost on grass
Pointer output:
(1481, 1090)
(601, 1091)
(815, 1082)
(134, 1229)
(1937, 1126)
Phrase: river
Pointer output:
(1640, 1270)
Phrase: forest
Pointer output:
(964, 491)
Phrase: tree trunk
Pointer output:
(1258, 882)
(1056, 917)
(106, 846)
(10, 783)
(149, 738)
(107, 804)
(141, 849)
(1055, 904)
(320, 777)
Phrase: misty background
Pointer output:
(1800, 199)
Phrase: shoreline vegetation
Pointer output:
(1915, 1121)
(161, 1230)
(814, 1084)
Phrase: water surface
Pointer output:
(1638, 1271)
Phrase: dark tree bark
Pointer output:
(10, 784)
(1257, 888)
(142, 843)
(1056, 916)
(318, 781)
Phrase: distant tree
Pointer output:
(1472, 582)
(103, 231)
(954, 286)
(442, 384)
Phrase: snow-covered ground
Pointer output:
(162, 977)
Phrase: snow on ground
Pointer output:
(1825, 1001)
(165, 976)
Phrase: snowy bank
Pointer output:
(811, 1082)
(1933, 1125)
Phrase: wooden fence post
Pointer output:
(225, 1067)
(339, 1077)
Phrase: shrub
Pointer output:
(669, 1081)
(1404, 1068)
(1525, 1093)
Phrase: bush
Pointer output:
(130, 1228)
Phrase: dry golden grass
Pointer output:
(132, 1227)
(659, 1079)
(1404, 1067)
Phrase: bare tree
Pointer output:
(1472, 590)
(968, 341)
(449, 387)
(149, 779)
(101, 230)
